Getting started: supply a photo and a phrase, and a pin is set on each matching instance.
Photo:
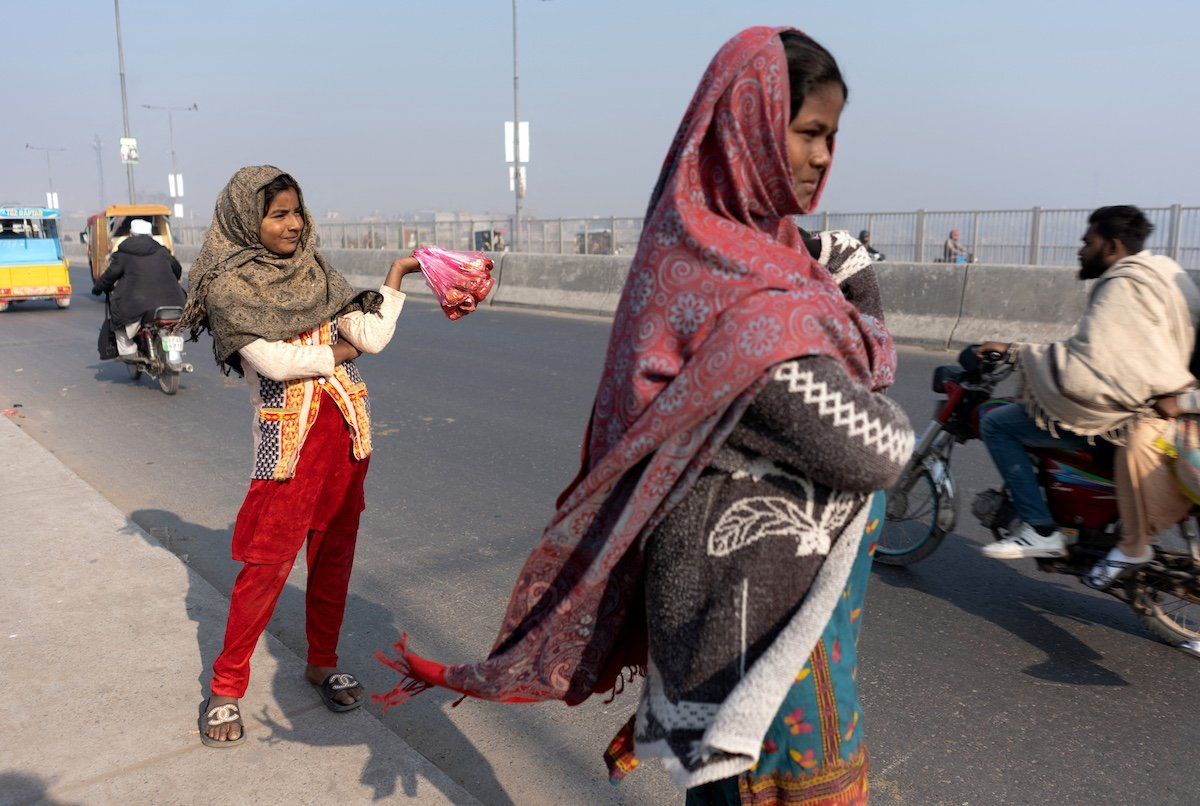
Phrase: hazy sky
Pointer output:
(390, 106)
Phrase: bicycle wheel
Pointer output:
(911, 532)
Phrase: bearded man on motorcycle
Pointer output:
(1132, 348)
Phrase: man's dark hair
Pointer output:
(278, 185)
(1124, 223)
(809, 66)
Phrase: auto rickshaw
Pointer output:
(105, 231)
(32, 265)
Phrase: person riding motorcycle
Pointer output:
(142, 275)
(864, 237)
(1132, 347)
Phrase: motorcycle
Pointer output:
(159, 351)
(922, 508)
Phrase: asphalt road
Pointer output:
(983, 682)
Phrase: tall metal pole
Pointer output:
(49, 167)
(124, 98)
(99, 149)
(517, 184)
(171, 110)
(171, 135)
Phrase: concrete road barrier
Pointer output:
(1019, 303)
(922, 302)
(587, 283)
(930, 304)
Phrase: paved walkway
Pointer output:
(107, 637)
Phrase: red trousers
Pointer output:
(321, 503)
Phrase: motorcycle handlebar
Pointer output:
(988, 367)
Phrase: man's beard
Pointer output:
(1091, 269)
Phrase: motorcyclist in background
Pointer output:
(1132, 347)
(142, 275)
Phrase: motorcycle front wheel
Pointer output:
(911, 532)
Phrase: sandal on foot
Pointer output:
(338, 682)
(220, 715)
(1112, 569)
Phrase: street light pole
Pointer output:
(99, 149)
(49, 168)
(124, 98)
(171, 110)
(518, 185)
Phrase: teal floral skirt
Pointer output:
(814, 752)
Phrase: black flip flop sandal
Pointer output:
(337, 682)
(220, 715)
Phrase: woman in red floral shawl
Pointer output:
(736, 439)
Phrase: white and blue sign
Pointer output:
(28, 212)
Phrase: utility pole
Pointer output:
(51, 198)
(171, 110)
(176, 182)
(518, 177)
(99, 149)
(124, 98)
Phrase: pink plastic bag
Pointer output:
(459, 280)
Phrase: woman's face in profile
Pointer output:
(282, 224)
(810, 139)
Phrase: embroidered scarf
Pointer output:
(720, 289)
(241, 291)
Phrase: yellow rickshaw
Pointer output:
(32, 265)
(105, 231)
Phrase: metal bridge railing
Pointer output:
(1037, 236)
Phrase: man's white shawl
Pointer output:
(1133, 345)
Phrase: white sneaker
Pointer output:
(1027, 543)
(1191, 647)
(1116, 566)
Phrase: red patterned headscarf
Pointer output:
(720, 290)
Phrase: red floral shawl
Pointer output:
(720, 289)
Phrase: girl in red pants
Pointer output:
(280, 316)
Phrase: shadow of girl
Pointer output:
(301, 715)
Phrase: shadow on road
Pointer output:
(209, 614)
(997, 593)
(114, 372)
(21, 788)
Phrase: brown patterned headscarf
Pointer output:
(240, 291)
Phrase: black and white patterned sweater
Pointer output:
(731, 565)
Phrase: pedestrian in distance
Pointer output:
(717, 537)
(953, 251)
(864, 237)
(283, 318)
